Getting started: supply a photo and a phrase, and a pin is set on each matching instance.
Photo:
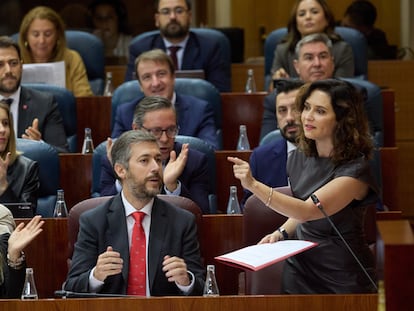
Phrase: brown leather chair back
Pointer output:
(259, 220)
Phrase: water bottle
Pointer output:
(233, 206)
(243, 142)
(60, 206)
(109, 88)
(250, 83)
(29, 288)
(87, 146)
(210, 286)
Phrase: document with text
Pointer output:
(256, 257)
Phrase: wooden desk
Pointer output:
(225, 303)
(241, 108)
(93, 112)
(118, 74)
(397, 249)
(47, 256)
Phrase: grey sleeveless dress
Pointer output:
(329, 267)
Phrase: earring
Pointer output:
(26, 44)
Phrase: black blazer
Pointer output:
(42, 105)
(23, 179)
(173, 232)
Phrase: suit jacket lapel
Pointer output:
(24, 118)
(155, 245)
(181, 107)
(191, 53)
(117, 233)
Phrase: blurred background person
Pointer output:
(109, 18)
(361, 15)
(308, 17)
(42, 40)
(19, 176)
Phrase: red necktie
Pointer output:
(137, 258)
(173, 54)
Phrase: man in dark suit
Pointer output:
(314, 61)
(268, 161)
(102, 258)
(195, 51)
(185, 170)
(155, 72)
(36, 114)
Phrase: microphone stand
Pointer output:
(319, 205)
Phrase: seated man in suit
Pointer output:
(314, 61)
(268, 161)
(167, 260)
(36, 114)
(185, 170)
(195, 51)
(155, 72)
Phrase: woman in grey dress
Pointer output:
(332, 163)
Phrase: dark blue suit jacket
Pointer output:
(199, 53)
(268, 165)
(195, 118)
(173, 232)
(195, 183)
(43, 106)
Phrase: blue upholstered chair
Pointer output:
(202, 89)
(354, 38)
(67, 107)
(271, 136)
(92, 51)
(49, 172)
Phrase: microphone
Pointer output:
(68, 294)
(319, 205)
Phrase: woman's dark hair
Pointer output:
(352, 135)
(294, 35)
(120, 11)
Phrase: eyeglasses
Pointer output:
(171, 132)
(177, 11)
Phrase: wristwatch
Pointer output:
(284, 233)
(18, 263)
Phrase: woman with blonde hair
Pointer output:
(19, 176)
(42, 40)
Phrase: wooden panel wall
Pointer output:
(399, 75)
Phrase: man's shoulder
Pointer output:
(35, 94)
(193, 154)
(271, 147)
(126, 107)
(147, 41)
(191, 100)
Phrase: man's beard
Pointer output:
(176, 32)
(11, 89)
(290, 138)
(140, 191)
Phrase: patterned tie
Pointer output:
(173, 54)
(7, 101)
(137, 258)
